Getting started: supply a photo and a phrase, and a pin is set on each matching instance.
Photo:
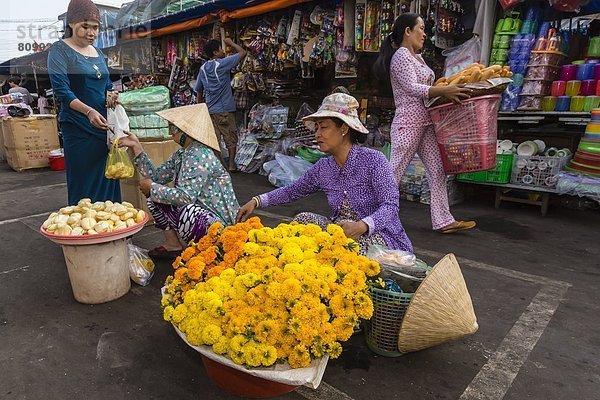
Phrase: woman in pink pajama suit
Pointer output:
(412, 129)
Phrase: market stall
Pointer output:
(551, 48)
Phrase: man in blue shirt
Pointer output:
(213, 86)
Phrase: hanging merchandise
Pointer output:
(387, 20)
(359, 17)
(568, 5)
(371, 28)
(449, 27)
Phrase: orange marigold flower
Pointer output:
(188, 253)
(214, 229)
(177, 262)
(180, 272)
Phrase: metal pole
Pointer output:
(37, 89)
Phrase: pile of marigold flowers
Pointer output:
(262, 296)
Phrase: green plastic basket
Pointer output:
(500, 174)
(383, 328)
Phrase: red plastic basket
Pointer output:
(467, 133)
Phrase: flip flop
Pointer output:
(162, 253)
(460, 226)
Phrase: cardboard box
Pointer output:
(27, 141)
(158, 152)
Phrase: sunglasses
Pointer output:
(98, 73)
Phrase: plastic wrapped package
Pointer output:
(146, 101)
(510, 98)
(518, 66)
(460, 57)
(151, 133)
(390, 257)
(545, 72)
(141, 267)
(118, 164)
(554, 59)
(530, 103)
(152, 121)
(578, 185)
(536, 87)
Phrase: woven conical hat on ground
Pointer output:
(195, 121)
(441, 309)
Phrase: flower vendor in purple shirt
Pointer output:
(360, 186)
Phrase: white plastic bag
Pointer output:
(119, 121)
(141, 267)
(287, 169)
(460, 57)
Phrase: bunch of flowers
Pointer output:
(292, 293)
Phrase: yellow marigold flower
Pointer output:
(264, 329)
(250, 280)
(221, 346)
(335, 350)
(311, 230)
(188, 253)
(211, 334)
(363, 305)
(291, 253)
(251, 248)
(165, 301)
(269, 355)
(341, 306)
(333, 229)
(180, 313)
(168, 313)
(251, 354)
(237, 342)
(355, 281)
(291, 289)
(299, 357)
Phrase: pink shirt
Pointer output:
(411, 79)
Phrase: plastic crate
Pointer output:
(466, 133)
(500, 174)
(383, 328)
(539, 171)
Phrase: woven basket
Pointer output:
(441, 309)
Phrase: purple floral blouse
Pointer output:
(368, 183)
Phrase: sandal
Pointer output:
(460, 226)
(162, 253)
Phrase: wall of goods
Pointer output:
(555, 61)
(295, 58)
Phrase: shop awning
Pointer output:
(224, 10)
(25, 64)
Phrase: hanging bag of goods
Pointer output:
(118, 164)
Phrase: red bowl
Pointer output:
(94, 239)
(241, 384)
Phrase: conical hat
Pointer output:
(441, 309)
(195, 121)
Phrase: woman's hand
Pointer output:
(456, 93)
(145, 186)
(112, 99)
(97, 119)
(354, 230)
(132, 142)
(245, 211)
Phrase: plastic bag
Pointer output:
(460, 57)
(286, 169)
(119, 121)
(390, 257)
(118, 164)
(141, 267)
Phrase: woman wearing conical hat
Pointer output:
(202, 192)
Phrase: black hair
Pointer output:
(355, 136)
(381, 68)
(211, 47)
(14, 80)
